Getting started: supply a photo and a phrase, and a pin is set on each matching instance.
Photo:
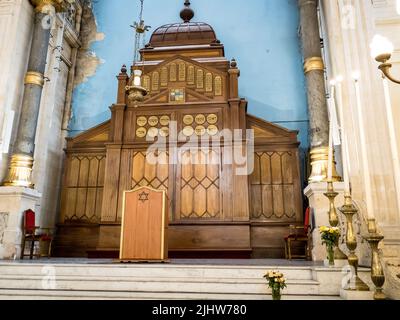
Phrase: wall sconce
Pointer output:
(382, 50)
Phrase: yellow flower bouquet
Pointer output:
(330, 237)
(277, 282)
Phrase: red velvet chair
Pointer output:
(30, 234)
(300, 234)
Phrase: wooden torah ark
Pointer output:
(213, 211)
(144, 225)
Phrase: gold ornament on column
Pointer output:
(313, 63)
(319, 166)
(349, 210)
(33, 77)
(20, 171)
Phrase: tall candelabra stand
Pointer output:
(377, 274)
(333, 217)
(349, 210)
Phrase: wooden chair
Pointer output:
(300, 234)
(31, 235)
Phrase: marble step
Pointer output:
(195, 271)
(107, 295)
(166, 285)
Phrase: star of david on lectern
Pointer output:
(144, 197)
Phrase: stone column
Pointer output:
(316, 92)
(20, 169)
(18, 195)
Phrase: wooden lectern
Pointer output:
(144, 225)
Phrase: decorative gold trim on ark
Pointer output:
(33, 77)
(313, 63)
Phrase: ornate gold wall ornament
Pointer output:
(153, 121)
(172, 72)
(319, 166)
(141, 132)
(20, 171)
(188, 119)
(190, 75)
(212, 118)
(33, 77)
(182, 71)
(218, 86)
(209, 82)
(136, 94)
(164, 132)
(155, 81)
(200, 119)
(141, 121)
(200, 79)
(313, 63)
(153, 132)
(200, 131)
(164, 77)
(58, 5)
(188, 131)
(212, 130)
(164, 120)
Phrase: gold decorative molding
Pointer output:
(33, 77)
(313, 63)
(20, 171)
(58, 5)
(319, 166)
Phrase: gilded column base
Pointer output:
(319, 166)
(20, 172)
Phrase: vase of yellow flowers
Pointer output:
(330, 237)
(276, 282)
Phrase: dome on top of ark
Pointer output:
(184, 33)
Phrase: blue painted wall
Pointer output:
(261, 35)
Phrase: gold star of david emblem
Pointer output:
(144, 197)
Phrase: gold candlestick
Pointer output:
(377, 274)
(333, 217)
(349, 210)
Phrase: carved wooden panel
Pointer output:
(164, 77)
(218, 86)
(272, 187)
(190, 75)
(200, 185)
(200, 79)
(155, 81)
(172, 72)
(84, 188)
(146, 82)
(182, 71)
(148, 173)
(209, 82)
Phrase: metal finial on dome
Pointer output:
(187, 13)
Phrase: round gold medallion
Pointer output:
(188, 131)
(164, 132)
(153, 121)
(200, 131)
(212, 130)
(141, 132)
(200, 119)
(164, 120)
(141, 121)
(188, 119)
(153, 132)
(212, 118)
